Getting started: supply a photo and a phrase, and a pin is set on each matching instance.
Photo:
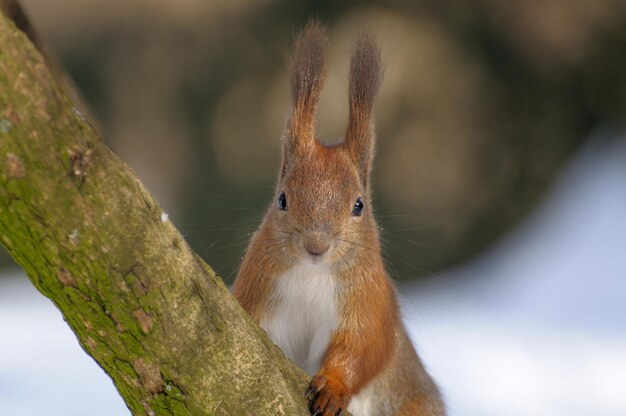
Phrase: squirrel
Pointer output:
(313, 276)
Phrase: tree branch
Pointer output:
(153, 315)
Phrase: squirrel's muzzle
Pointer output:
(316, 245)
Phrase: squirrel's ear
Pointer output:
(307, 67)
(365, 79)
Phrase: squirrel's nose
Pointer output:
(316, 246)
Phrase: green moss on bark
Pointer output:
(153, 315)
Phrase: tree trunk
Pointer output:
(92, 238)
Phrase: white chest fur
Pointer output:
(304, 314)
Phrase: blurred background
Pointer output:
(500, 180)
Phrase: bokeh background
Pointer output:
(500, 143)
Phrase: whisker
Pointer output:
(408, 240)
(225, 198)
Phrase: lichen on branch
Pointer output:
(92, 238)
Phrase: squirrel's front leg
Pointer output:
(356, 353)
(327, 396)
(331, 388)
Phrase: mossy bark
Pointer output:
(90, 236)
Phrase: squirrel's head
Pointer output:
(322, 212)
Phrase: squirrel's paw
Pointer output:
(327, 396)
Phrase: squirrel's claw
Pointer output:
(325, 397)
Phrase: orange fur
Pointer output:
(368, 313)
(368, 359)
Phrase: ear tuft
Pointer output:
(307, 67)
(365, 75)
(365, 80)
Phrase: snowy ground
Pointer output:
(43, 370)
(539, 325)
(536, 326)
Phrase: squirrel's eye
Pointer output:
(282, 201)
(358, 207)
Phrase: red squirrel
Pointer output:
(313, 277)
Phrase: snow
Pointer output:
(535, 326)
(43, 370)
